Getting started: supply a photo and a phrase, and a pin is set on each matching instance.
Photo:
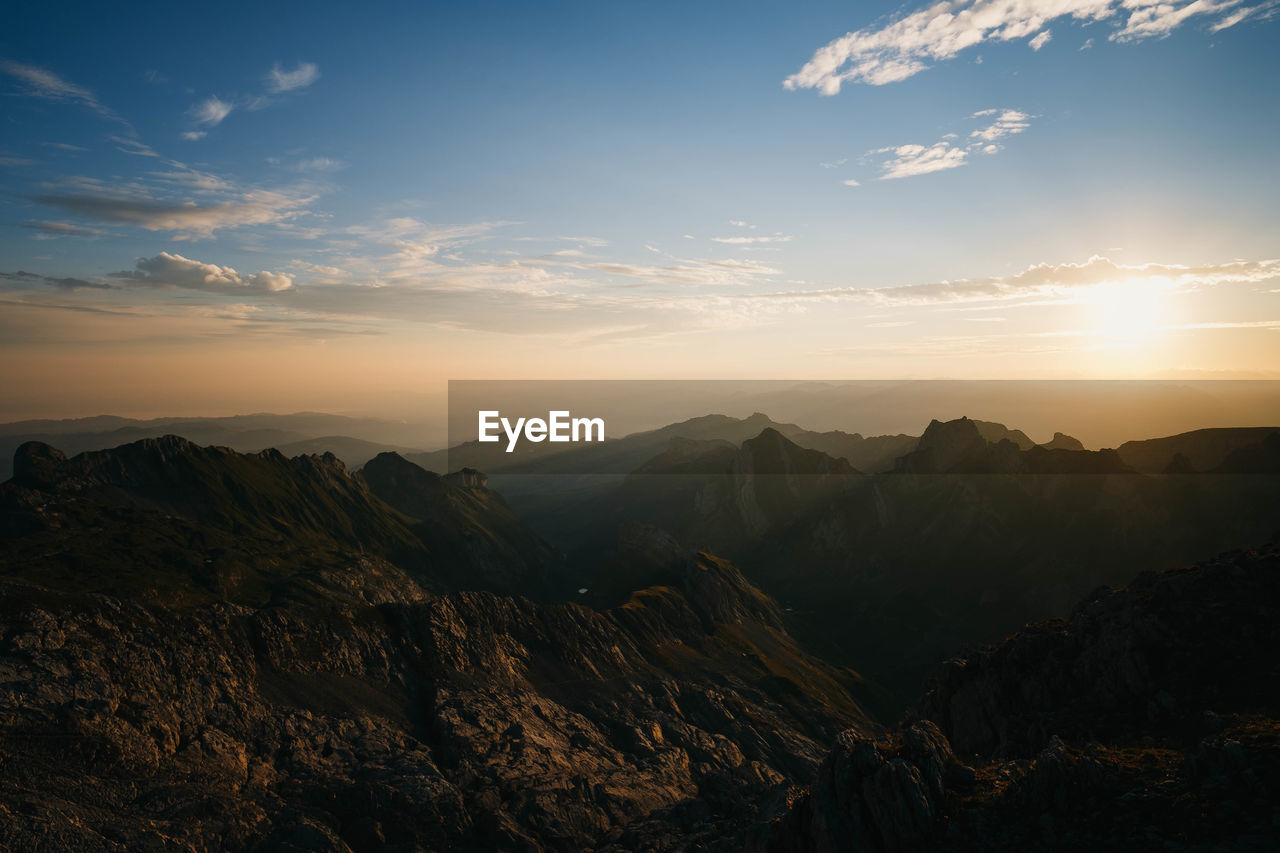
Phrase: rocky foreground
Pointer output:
(203, 650)
(206, 650)
(1149, 720)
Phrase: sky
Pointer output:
(275, 207)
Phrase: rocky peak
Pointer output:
(1062, 441)
(35, 464)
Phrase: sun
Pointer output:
(1129, 310)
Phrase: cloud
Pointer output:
(905, 46)
(166, 270)
(911, 160)
(194, 135)
(129, 145)
(691, 271)
(747, 241)
(850, 182)
(1009, 123)
(1053, 282)
(1040, 40)
(834, 164)
(319, 164)
(41, 83)
(63, 229)
(211, 111)
(279, 80)
(185, 217)
(25, 280)
(738, 223)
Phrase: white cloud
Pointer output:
(908, 45)
(738, 223)
(279, 80)
(835, 164)
(850, 182)
(166, 270)
(911, 160)
(1040, 40)
(1009, 123)
(194, 135)
(211, 111)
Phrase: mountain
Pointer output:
(354, 440)
(1149, 719)
(1204, 449)
(353, 452)
(1062, 441)
(468, 525)
(713, 494)
(965, 446)
(165, 517)
(226, 651)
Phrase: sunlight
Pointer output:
(1128, 310)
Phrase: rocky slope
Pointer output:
(1148, 720)
(343, 701)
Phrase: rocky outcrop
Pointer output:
(871, 794)
(1150, 719)
(1062, 441)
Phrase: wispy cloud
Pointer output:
(280, 80)
(49, 228)
(1053, 282)
(25, 280)
(749, 241)
(186, 218)
(42, 83)
(908, 45)
(910, 160)
(211, 111)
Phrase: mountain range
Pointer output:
(730, 638)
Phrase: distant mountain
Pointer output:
(354, 440)
(353, 452)
(1062, 441)
(963, 446)
(1204, 449)
(230, 651)
(713, 494)
(996, 433)
(1150, 719)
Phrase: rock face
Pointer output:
(1062, 441)
(357, 704)
(1149, 719)
(871, 794)
(472, 532)
(964, 446)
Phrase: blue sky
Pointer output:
(1042, 187)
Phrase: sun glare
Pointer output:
(1128, 310)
